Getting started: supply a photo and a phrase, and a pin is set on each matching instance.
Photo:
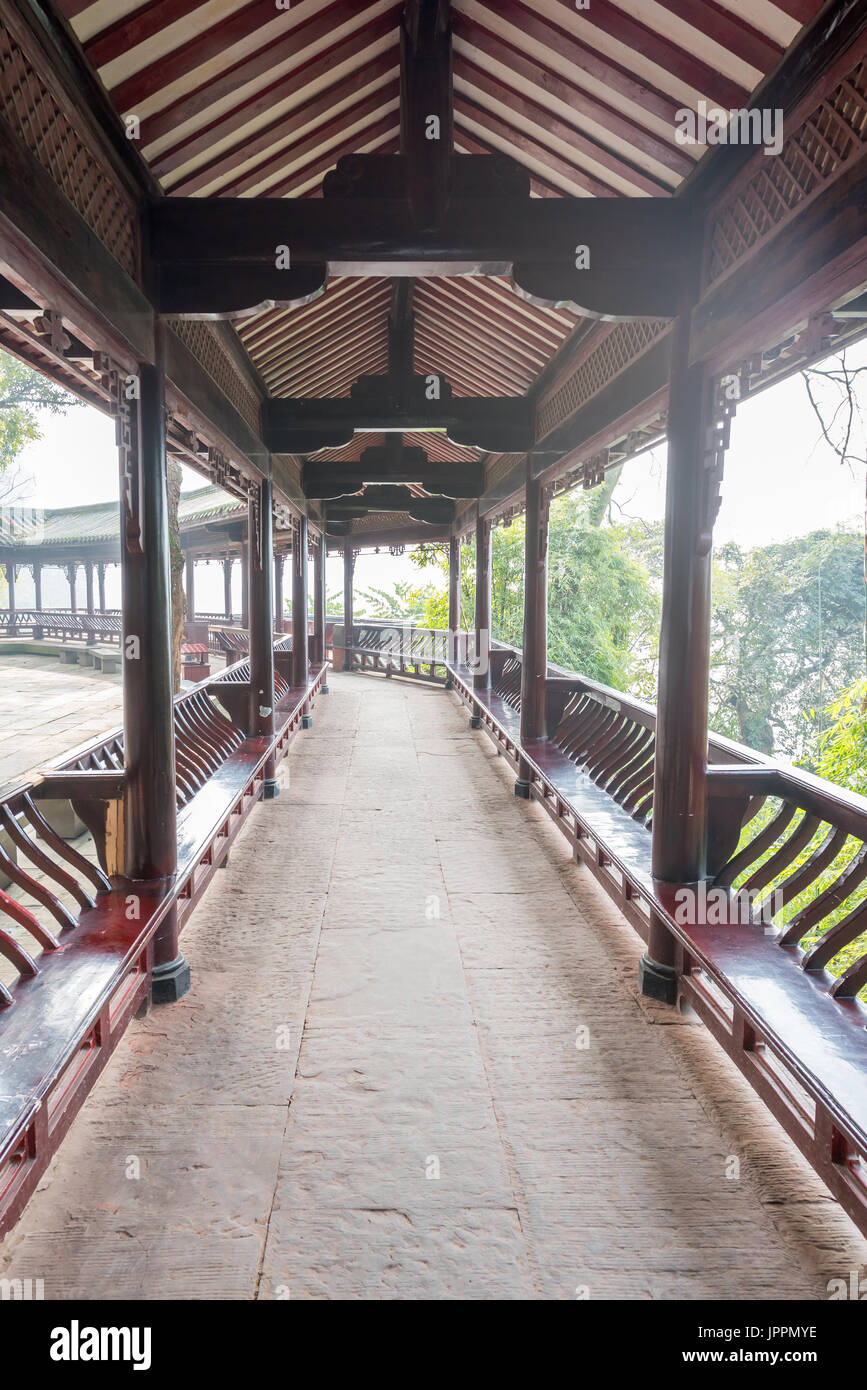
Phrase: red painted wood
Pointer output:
(620, 25)
(519, 142)
(307, 113)
(729, 31)
(548, 122)
(218, 38)
(236, 76)
(142, 24)
(362, 110)
(494, 46)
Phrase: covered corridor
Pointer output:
(374, 1090)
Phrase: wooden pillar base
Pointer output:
(170, 982)
(657, 981)
(657, 969)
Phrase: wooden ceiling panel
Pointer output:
(238, 98)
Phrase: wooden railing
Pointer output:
(75, 936)
(397, 648)
(61, 622)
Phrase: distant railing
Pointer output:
(402, 648)
(64, 623)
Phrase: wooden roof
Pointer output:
(239, 98)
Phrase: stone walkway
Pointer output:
(374, 1089)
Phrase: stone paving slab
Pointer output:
(374, 1089)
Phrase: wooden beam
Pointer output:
(46, 248)
(631, 266)
(330, 480)
(383, 498)
(87, 785)
(494, 424)
(426, 107)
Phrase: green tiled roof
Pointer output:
(99, 521)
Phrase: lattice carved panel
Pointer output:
(31, 109)
(622, 345)
(777, 186)
(204, 343)
(500, 469)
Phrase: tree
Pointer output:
(601, 606)
(23, 394)
(787, 634)
(599, 594)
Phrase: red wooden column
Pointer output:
(260, 545)
(88, 589)
(37, 586)
(190, 586)
(245, 585)
(534, 660)
(279, 561)
(100, 585)
(454, 601)
(227, 585)
(348, 566)
(482, 669)
(300, 649)
(10, 581)
(680, 773)
(150, 836)
(71, 575)
(319, 603)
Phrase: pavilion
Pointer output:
(390, 274)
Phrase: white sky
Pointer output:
(781, 480)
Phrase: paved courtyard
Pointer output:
(47, 708)
(414, 1065)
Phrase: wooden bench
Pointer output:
(77, 966)
(798, 1033)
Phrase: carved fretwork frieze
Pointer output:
(123, 390)
(723, 394)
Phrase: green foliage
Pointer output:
(602, 611)
(843, 743)
(23, 393)
(602, 608)
(787, 631)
